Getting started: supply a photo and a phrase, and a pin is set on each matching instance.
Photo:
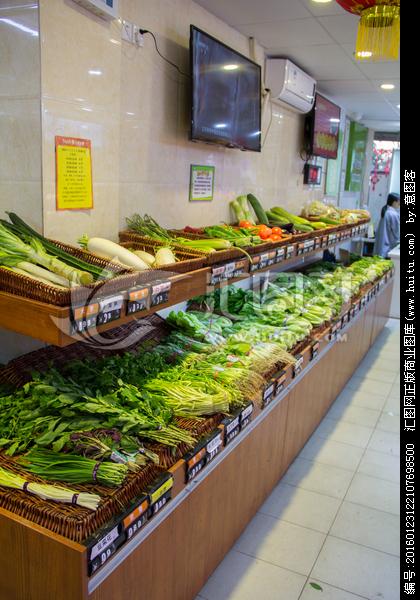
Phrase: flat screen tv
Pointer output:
(322, 128)
(226, 94)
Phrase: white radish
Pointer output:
(148, 258)
(165, 256)
(111, 250)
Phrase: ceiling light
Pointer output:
(87, 109)
(230, 67)
(387, 86)
(94, 72)
(398, 106)
(321, 1)
(220, 125)
(334, 120)
(364, 54)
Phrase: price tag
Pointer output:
(345, 319)
(83, 317)
(240, 267)
(317, 243)
(160, 293)
(334, 329)
(104, 542)
(229, 270)
(268, 393)
(280, 254)
(332, 238)
(213, 447)
(309, 246)
(231, 430)
(325, 240)
(290, 251)
(272, 258)
(315, 350)
(297, 367)
(195, 461)
(110, 309)
(245, 416)
(105, 554)
(300, 248)
(217, 274)
(135, 520)
(280, 381)
(138, 299)
(160, 494)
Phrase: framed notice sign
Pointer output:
(73, 163)
(201, 183)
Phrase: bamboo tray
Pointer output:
(21, 285)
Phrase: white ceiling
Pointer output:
(320, 38)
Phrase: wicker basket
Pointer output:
(21, 285)
(188, 261)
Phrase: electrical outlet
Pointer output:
(138, 38)
(127, 33)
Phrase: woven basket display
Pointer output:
(187, 260)
(21, 285)
(74, 522)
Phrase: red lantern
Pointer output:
(378, 36)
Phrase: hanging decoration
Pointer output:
(378, 36)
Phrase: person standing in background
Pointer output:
(388, 230)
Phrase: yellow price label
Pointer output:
(73, 173)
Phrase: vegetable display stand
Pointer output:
(174, 553)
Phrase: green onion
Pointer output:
(49, 492)
(73, 468)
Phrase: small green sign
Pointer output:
(201, 183)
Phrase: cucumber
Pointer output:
(258, 209)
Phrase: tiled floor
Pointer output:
(333, 519)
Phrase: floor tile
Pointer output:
(329, 452)
(358, 415)
(375, 374)
(385, 441)
(280, 543)
(367, 526)
(381, 465)
(357, 569)
(346, 433)
(317, 477)
(328, 592)
(373, 361)
(369, 386)
(374, 493)
(389, 421)
(241, 577)
(395, 391)
(301, 507)
(393, 405)
(350, 397)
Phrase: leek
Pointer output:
(13, 248)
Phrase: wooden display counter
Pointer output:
(64, 325)
(173, 555)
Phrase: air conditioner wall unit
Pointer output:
(289, 85)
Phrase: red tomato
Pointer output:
(274, 237)
(245, 224)
(276, 230)
(265, 234)
(263, 227)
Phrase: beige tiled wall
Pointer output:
(20, 123)
(136, 114)
(20, 129)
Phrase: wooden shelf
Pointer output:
(52, 324)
